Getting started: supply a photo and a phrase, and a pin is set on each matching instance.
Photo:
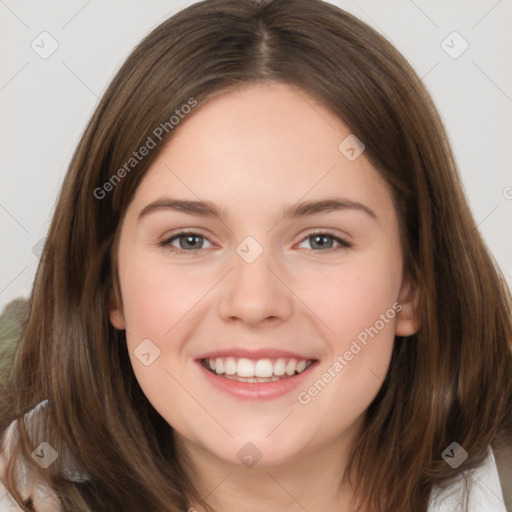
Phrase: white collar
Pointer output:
(484, 495)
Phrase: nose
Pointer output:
(254, 293)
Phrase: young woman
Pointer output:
(262, 288)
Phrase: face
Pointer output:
(255, 281)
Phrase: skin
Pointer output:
(252, 152)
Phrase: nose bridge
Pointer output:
(252, 292)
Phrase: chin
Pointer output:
(257, 450)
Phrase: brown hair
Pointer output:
(452, 381)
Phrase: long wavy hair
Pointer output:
(451, 381)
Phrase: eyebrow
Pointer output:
(296, 210)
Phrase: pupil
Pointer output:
(322, 237)
(188, 238)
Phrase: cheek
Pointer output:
(156, 301)
(156, 297)
(359, 306)
(353, 297)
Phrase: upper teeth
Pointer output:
(260, 368)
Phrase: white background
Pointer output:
(46, 103)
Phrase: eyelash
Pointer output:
(167, 243)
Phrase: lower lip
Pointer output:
(256, 390)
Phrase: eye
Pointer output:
(323, 242)
(189, 242)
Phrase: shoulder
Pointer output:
(484, 492)
(31, 484)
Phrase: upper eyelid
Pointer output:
(185, 232)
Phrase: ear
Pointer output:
(115, 312)
(407, 322)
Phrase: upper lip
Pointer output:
(260, 353)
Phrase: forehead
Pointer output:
(259, 147)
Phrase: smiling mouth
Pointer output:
(261, 370)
